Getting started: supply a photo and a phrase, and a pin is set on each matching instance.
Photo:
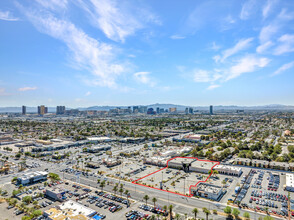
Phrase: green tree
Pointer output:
(170, 211)
(36, 213)
(228, 210)
(268, 218)
(207, 212)
(121, 190)
(14, 179)
(27, 199)
(154, 200)
(246, 215)
(146, 197)
(195, 212)
(114, 189)
(54, 177)
(235, 213)
(102, 184)
(177, 216)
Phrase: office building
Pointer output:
(42, 110)
(186, 110)
(150, 111)
(191, 110)
(24, 110)
(157, 110)
(143, 109)
(135, 109)
(211, 110)
(172, 110)
(60, 110)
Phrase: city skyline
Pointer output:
(87, 53)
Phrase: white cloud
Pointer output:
(284, 15)
(268, 7)
(247, 8)
(116, 19)
(241, 45)
(53, 4)
(286, 44)
(211, 87)
(215, 47)
(267, 32)
(144, 77)
(88, 93)
(249, 63)
(205, 76)
(24, 89)
(87, 53)
(7, 16)
(264, 47)
(202, 76)
(177, 37)
(283, 68)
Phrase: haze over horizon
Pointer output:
(88, 53)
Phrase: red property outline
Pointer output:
(216, 163)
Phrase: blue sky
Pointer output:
(110, 52)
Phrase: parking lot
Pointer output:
(263, 191)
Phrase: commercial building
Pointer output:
(172, 110)
(32, 177)
(93, 165)
(96, 149)
(70, 210)
(289, 182)
(111, 162)
(56, 194)
(98, 139)
(135, 109)
(208, 191)
(42, 110)
(143, 109)
(228, 170)
(211, 110)
(157, 161)
(23, 110)
(60, 110)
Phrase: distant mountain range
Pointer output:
(157, 105)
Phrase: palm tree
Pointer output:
(195, 212)
(177, 216)
(154, 200)
(146, 197)
(207, 212)
(121, 191)
(170, 211)
(102, 184)
(114, 189)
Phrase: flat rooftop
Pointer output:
(76, 208)
(203, 164)
(290, 179)
(207, 188)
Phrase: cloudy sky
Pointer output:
(110, 52)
